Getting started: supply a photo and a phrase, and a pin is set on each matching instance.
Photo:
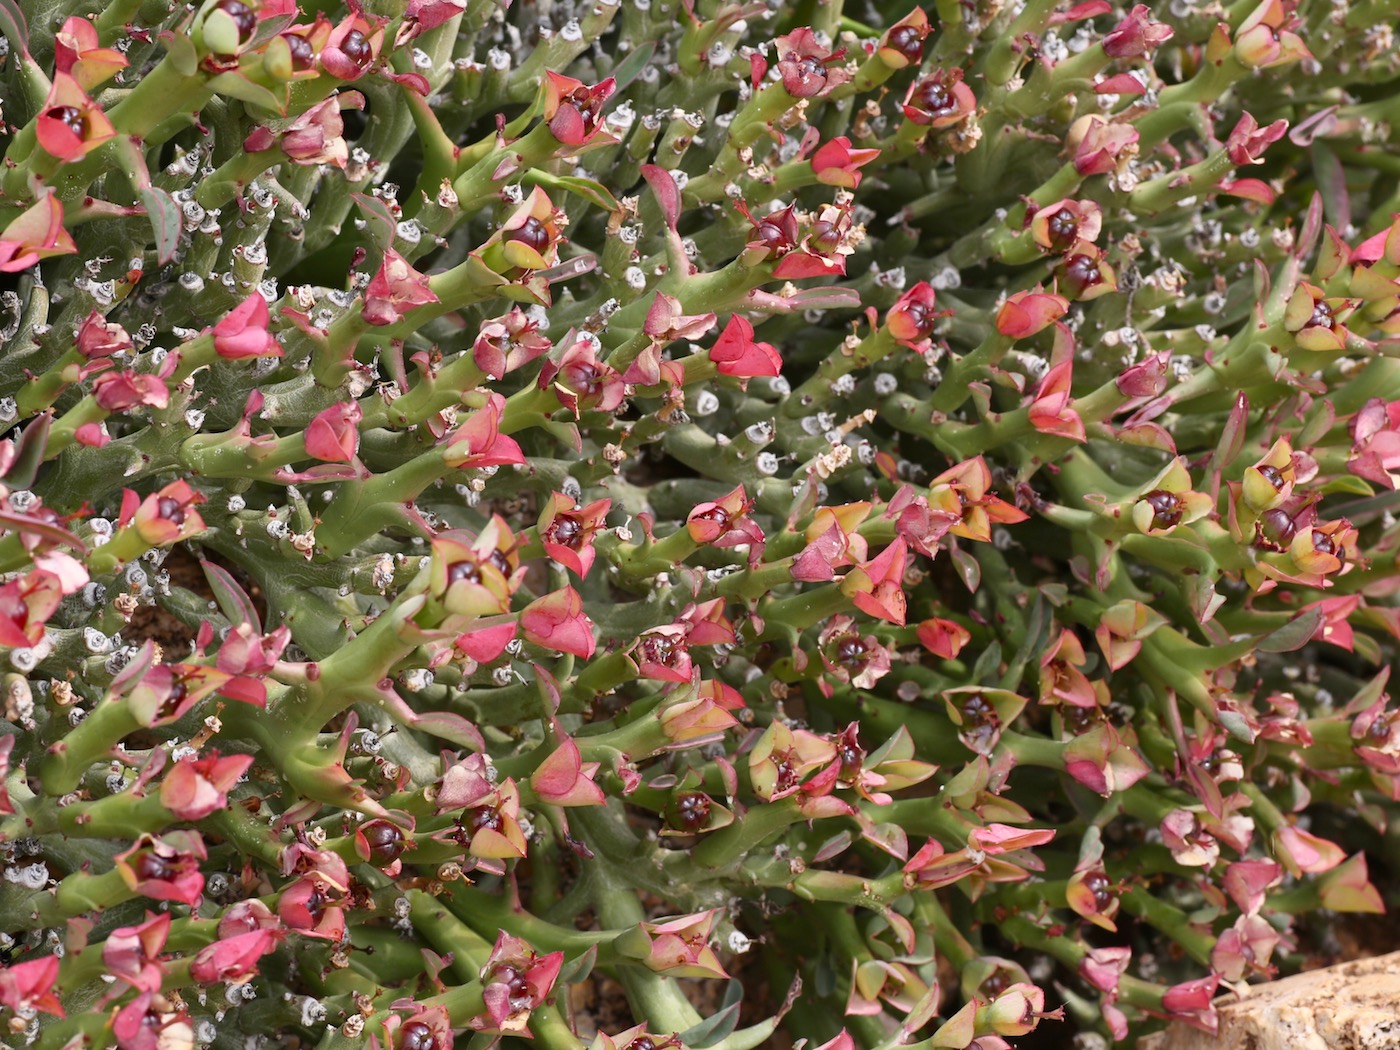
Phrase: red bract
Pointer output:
(1050, 410)
(29, 986)
(566, 530)
(71, 125)
(478, 442)
(333, 436)
(475, 575)
(1059, 226)
(233, 959)
(564, 779)
(1191, 1002)
(99, 338)
(725, 522)
(574, 110)
(582, 382)
(168, 516)
(1028, 313)
(243, 332)
(1136, 35)
(165, 868)
(132, 953)
(1248, 140)
(394, 291)
(515, 980)
(557, 622)
(877, 586)
(912, 318)
(737, 353)
(808, 69)
(505, 343)
(25, 606)
(309, 907)
(681, 947)
(1266, 38)
(78, 52)
(196, 787)
(352, 46)
(836, 164)
(36, 233)
(124, 390)
(1101, 146)
(939, 100)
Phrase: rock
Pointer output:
(1353, 1006)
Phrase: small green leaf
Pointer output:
(630, 68)
(233, 601)
(713, 1029)
(166, 221)
(1293, 635)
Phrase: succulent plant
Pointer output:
(845, 522)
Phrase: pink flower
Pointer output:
(1002, 838)
(505, 343)
(574, 111)
(479, 442)
(316, 137)
(28, 986)
(308, 906)
(1051, 410)
(1301, 851)
(725, 522)
(132, 953)
(1191, 1002)
(243, 333)
(149, 1022)
(681, 947)
(666, 323)
(808, 69)
(98, 337)
(557, 622)
(1348, 888)
(1103, 967)
(737, 353)
(396, 289)
(943, 638)
(36, 233)
(566, 531)
(515, 980)
(1266, 38)
(332, 436)
(429, 14)
(1027, 313)
(1059, 226)
(1100, 146)
(1136, 35)
(166, 868)
(475, 575)
(911, 319)
(877, 586)
(168, 516)
(564, 779)
(197, 787)
(582, 382)
(1248, 140)
(836, 164)
(25, 606)
(71, 125)
(353, 46)
(78, 52)
(939, 100)
(124, 390)
(427, 1029)
(233, 959)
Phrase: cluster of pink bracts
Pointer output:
(499, 503)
